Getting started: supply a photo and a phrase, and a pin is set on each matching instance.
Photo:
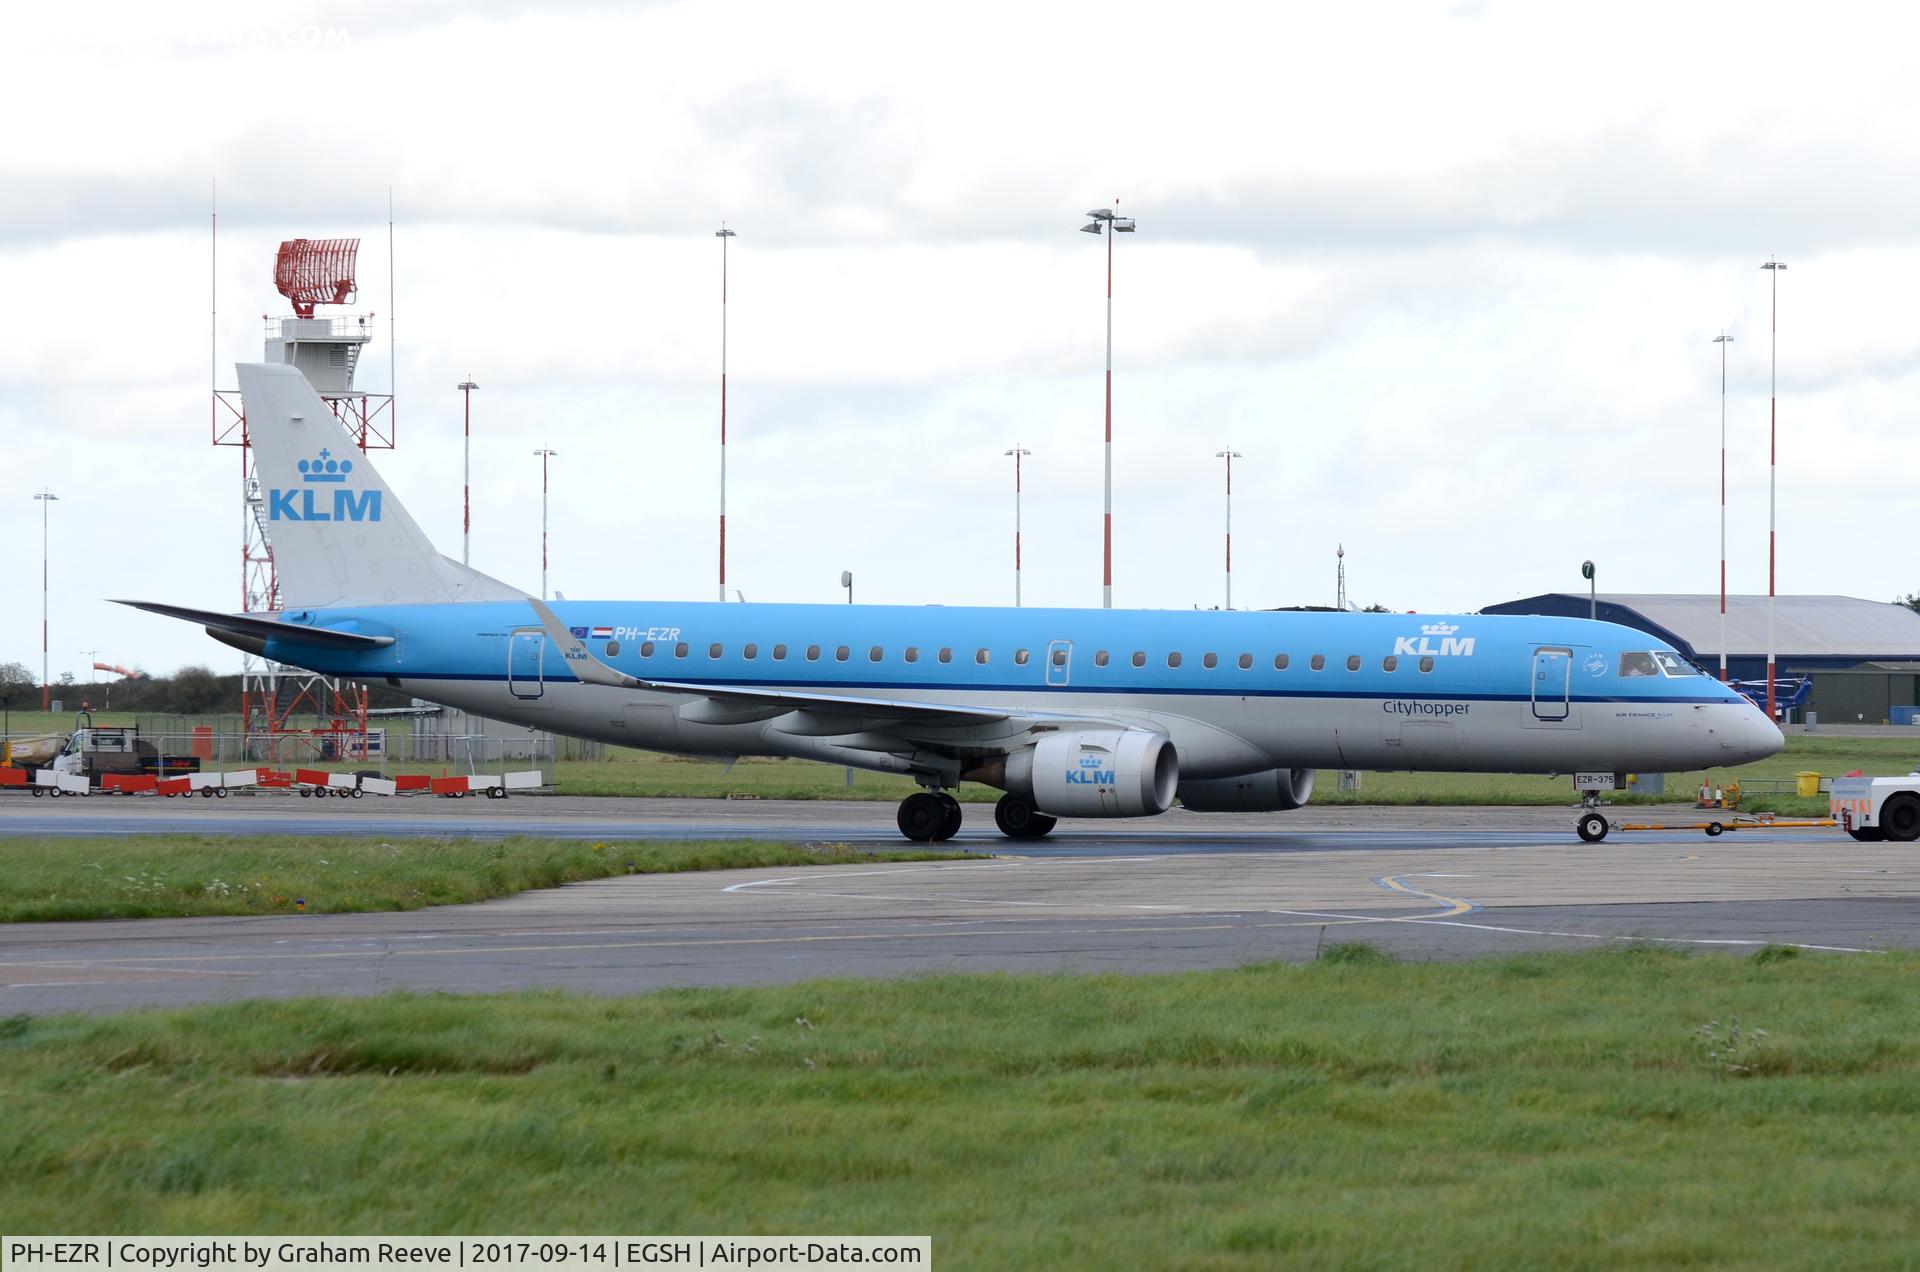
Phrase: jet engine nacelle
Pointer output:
(1274, 791)
(1097, 773)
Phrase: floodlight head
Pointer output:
(466, 385)
(1774, 265)
(1101, 214)
(1123, 225)
(1091, 228)
(723, 233)
(1723, 338)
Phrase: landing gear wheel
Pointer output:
(1592, 827)
(1900, 818)
(1018, 819)
(951, 826)
(923, 818)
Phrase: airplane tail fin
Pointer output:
(339, 536)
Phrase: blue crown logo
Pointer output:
(325, 468)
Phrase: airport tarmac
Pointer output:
(1178, 892)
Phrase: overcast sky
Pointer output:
(1446, 275)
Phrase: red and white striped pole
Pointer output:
(1104, 219)
(466, 387)
(1773, 467)
(1723, 340)
(1229, 456)
(1018, 453)
(46, 499)
(723, 234)
(544, 453)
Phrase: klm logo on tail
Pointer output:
(300, 504)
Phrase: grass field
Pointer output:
(170, 876)
(1569, 1111)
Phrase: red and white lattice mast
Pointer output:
(327, 349)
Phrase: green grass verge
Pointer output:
(173, 876)
(1537, 1111)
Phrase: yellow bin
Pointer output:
(1806, 785)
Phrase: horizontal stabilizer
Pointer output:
(258, 628)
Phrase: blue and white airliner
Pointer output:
(1073, 713)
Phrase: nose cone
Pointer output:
(1757, 737)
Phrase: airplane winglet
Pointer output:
(580, 660)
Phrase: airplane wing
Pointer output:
(251, 626)
(590, 670)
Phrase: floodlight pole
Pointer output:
(1018, 453)
(1229, 455)
(1723, 340)
(544, 453)
(1773, 467)
(46, 499)
(1105, 219)
(723, 234)
(466, 387)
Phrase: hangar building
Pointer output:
(1814, 633)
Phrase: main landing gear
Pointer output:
(930, 817)
(1018, 819)
(933, 817)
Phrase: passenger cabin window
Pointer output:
(646, 649)
(1139, 658)
(1673, 664)
(1390, 663)
(813, 653)
(1059, 657)
(1100, 658)
(1173, 660)
(980, 656)
(713, 650)
(1019, 657)
(680, 650)
(876, 654)
(912, 654)
(750, 653)
(779, 653)
(1638, 664)
(1246, 662)
(840, 654)
(1211, 660)
(1317, 662)
(1279, 662)
(946, 655)
(613, 649)
(1353, 662)
(1426, 665)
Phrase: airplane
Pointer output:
(1072, 713)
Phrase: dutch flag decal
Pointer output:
(603, 633)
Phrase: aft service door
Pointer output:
(526, 661)
(1059, 663)
(1552, 683)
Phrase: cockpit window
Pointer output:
(1638, 664)
(1674, 664)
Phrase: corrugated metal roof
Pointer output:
(1805, 626)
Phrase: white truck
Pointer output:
(1876, 808)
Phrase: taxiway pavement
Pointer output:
(1177, 892)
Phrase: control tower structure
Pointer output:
(288, 713)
